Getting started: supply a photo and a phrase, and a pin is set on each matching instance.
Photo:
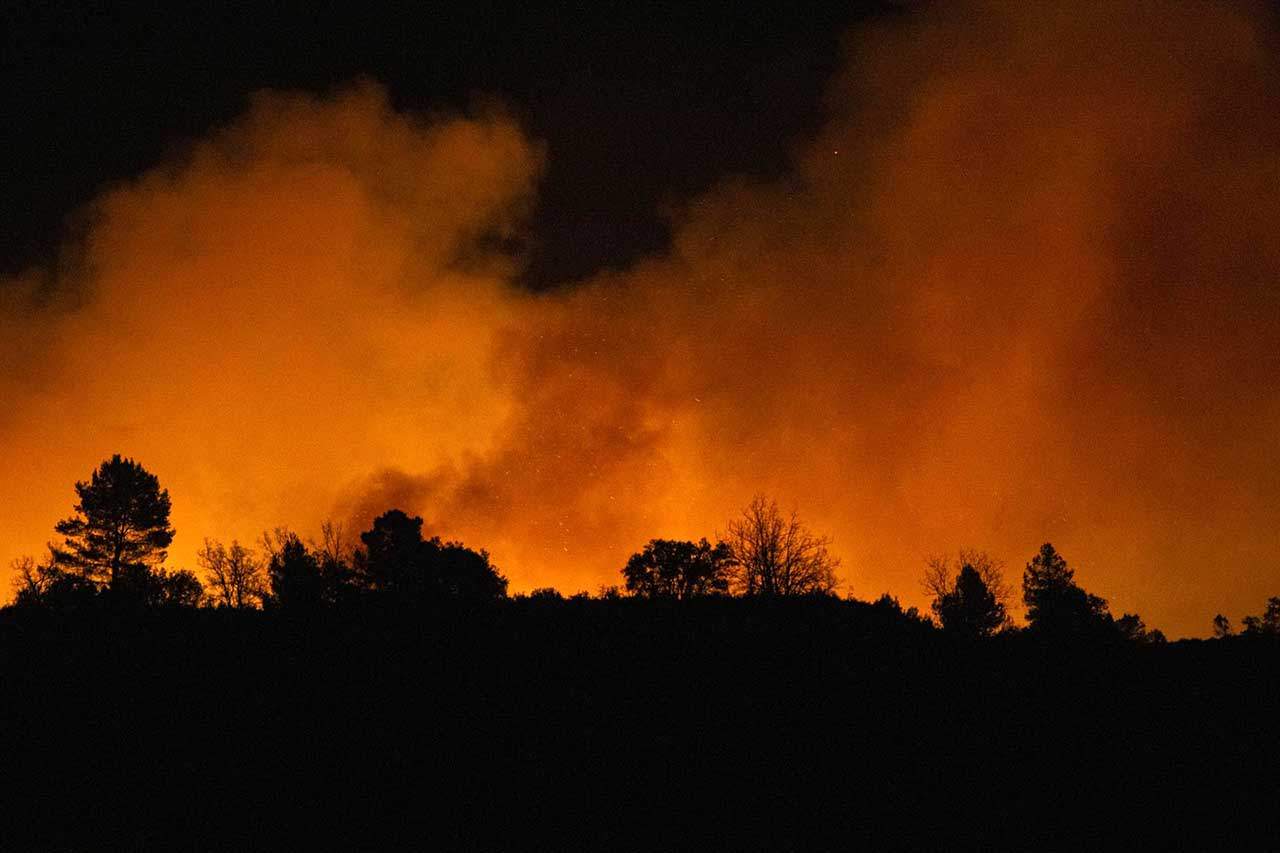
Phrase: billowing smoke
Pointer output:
(304, 299)
(1022, 287)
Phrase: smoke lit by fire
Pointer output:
(1025, 286)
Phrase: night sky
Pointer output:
(938, 276)
(642, 107)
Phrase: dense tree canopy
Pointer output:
(668, 568)
(179, 588)
(400, 564)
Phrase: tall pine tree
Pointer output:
(1055, 603)
(120, 529)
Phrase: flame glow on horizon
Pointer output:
(1024, 286)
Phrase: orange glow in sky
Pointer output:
(1006, 296)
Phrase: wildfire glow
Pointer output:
(1035, 296)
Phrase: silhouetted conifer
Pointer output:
(1055, 604)
(120, 529)
(970, 608)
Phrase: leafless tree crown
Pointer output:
(235, 574)
(776, 555)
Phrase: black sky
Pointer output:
(639, 107)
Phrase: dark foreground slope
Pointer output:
(624, 725)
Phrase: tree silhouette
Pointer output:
(668, 568)
(1221, 627)
(180, 588)
(970, 608)
(335, 555)
(399, 564)
(45, 585)
(293, 572)
(393, 554)
(886, 603)
(1266, 624)
(776, 555)
(971, 599)
(1131, 627)
(121, 527)
(1055, 604)
(31, 578)
(235, 574)
(941, 571)
(463, 574)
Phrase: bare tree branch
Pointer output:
(235, 574)
(776, 555)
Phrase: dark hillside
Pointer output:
(623, 724)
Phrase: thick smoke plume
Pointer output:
(1022, 287)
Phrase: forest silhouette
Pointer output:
(384, 688)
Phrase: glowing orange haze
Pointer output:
(1025, 286)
